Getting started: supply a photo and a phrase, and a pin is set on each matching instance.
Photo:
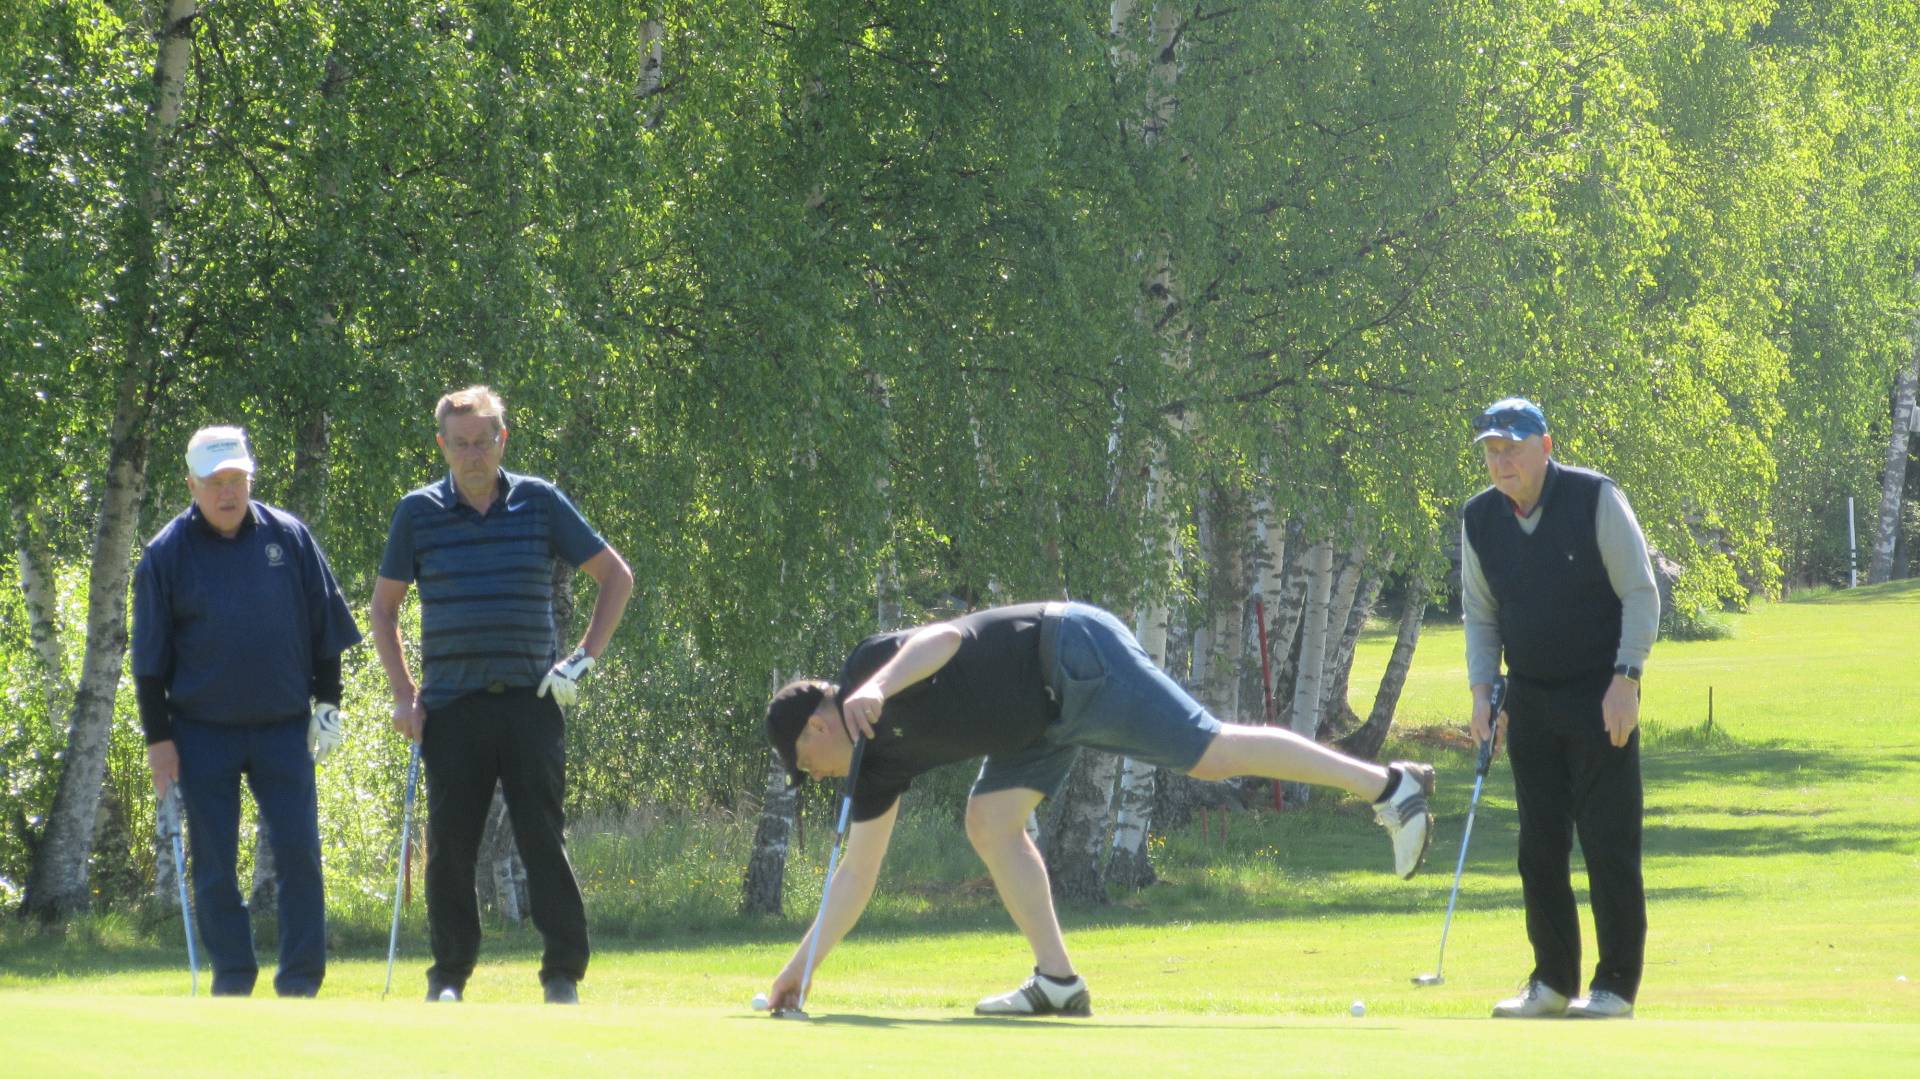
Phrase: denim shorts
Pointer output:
(1112, 697)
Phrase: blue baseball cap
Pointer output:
(1513, 418)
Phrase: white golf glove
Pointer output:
(564, 680)
(325, 731)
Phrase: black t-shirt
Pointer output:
(991, 697)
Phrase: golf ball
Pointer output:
(759, 1002)
(1359, 1009)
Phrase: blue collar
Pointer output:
(449, 492)
(249, 521)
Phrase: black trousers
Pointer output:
(519, 740)
(1569, 778)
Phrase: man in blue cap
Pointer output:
(238, 626)
(1554, 573)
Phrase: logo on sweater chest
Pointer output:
(276, 555)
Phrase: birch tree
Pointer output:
(1893, 478)
(57, 886)
(1305, 710)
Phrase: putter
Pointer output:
(799, 1010)
(400, 879)
(1495, 700)
(171, 813)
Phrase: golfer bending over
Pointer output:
(1026, 686)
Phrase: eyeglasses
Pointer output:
(1506, 417)
(461, 445)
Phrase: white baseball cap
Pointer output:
(214, 448)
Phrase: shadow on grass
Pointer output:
(1053, 1026)
(1891, 592)
(1279, 868)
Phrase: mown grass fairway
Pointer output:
(1783, 865)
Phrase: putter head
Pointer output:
(1429, 979)
(788, 1013)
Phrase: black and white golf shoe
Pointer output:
(1405, 816)
(1041, 996)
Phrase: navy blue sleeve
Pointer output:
(328, 616)
(152, 619)
(397, 563)
(573, 539)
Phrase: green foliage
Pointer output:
(826, 293)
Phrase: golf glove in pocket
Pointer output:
(563, 681)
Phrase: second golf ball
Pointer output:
(1359, 1009)
(759, 1002)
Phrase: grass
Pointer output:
(1783, 849)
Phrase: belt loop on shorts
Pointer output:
(1050, 614)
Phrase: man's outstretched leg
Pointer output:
(997, 827)
(1399, 792)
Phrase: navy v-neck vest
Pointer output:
(1559, 617)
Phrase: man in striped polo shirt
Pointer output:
(482, 544)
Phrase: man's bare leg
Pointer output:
(1277, 753)
(997, 827)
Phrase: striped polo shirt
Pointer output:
(485, 580)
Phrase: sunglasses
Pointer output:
(1506, 417)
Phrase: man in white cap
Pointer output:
(238, 628)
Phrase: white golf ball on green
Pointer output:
(759, 1002)
(1359, 1009)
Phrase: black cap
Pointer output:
(787, 716)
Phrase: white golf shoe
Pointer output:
(1537, 1001)
(1041, 996)
(1405, 816)
(1600, 1004)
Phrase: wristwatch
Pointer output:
(1628, 672)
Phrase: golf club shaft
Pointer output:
(1459, 868)
(180, 878)
(1496, 698)
(400, 876)
(833, 863)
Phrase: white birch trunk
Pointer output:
(264, 895)
(57, 885)
(1346, 591)
(1284, 616)
(1081, 827)
(1334, 711)
(653, 34)
(764, 883)
(1365, 742)
(503, 875)
(886, 584)
(1159, 306)
(41, 593)
(1893, 478)
(1128, 864)
(1313, 652)
(1269, 580)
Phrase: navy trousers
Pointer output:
(279, 771)
(519, 741)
